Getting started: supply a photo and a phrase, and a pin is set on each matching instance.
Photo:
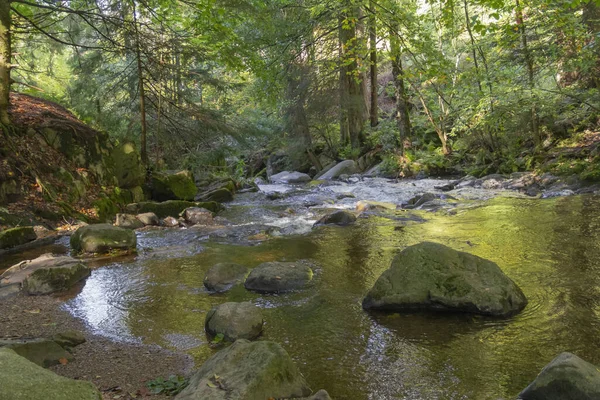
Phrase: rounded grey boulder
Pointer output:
(567, 377)
(234, 321)
(431, 276)
(221, 277)
(102, 238)
(273, 277)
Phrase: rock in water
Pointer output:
(198, 216)
(16, 236)
(234, 321)
(290, 177)
(45, 274)
(128, 221)
(567, 377)
(247, 371)
(222, 195)
(170, 208)
(347, 167)
(23, 380)
(148, 219)
(431, 276)
(340, 218)
(102, 238)
(273, 277)
(221, 277)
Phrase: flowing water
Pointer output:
(550, 248)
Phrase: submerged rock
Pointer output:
(43, 352)
(431, 276)
(247, 370)
(23, 380)
(290, 177)
(16, 236)
(275, 277)
(221, 277)
(340, 218)
(347, 167)
(102, 238)
(198, 216)
(234, 321)
(128, 221)
(567, 377)
(173, 186)
(45, 274)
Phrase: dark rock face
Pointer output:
(431, 276)
(102, 238)
(234, 321)
(273, 277)
(221, 277)
(247, 370)
(173, 186)
(16, 236)
(340, 218)
(567, 377)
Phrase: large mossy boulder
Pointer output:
(171, 208)
(567, 377)
(275, 277)
(45, 274)
(43, 352)
(173, 186)
(247, 371)
(431, 276)
(127, 166)
(221, 277)
(102, 238)
(234, 321)
(347, 167)
(16, 236)
(23, 380)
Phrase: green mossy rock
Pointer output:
(171, 208)
(169, 186)
(234, 321)
(567, 377)
(102, 238)
(250, 371)
(222, 195)
(69, 339)
(126, 166)
(431, 276)
(16, 236)
(275, 277)
(43, 352)
(23, 380)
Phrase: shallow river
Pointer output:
(550, 248)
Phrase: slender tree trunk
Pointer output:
(5, 61)
(402, 108)
(374, 112)
(343, 90)
(591, 19)
(473, 47)
(530, 71)
(140, 70)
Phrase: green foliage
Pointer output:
(171, 386)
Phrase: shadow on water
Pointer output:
(550, 248)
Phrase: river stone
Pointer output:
(221, 277)
(347, 167)
(340, 218)
(173, 186)
(16, 236)
(435, 277)
(45, 274)
(234, 321)
(222, 195)
(170, 222)
(170, 208)
(368, 205)
(247, 371)
(69, 339)
(102, 238)
(198, 216)
(424, 199)
(43, 352)
(567, 377)
(128, 221)
(275, 277)
(23, 380)
(148, 219)
(290, 177)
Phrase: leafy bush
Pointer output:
(170, 387)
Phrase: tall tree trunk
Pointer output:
(473, 47)
(591, 19)
(402, 109)
(140, 70)
(343, 90)
(5, 61)
(374, 112)
(530, 71)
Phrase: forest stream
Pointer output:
(549, 247)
